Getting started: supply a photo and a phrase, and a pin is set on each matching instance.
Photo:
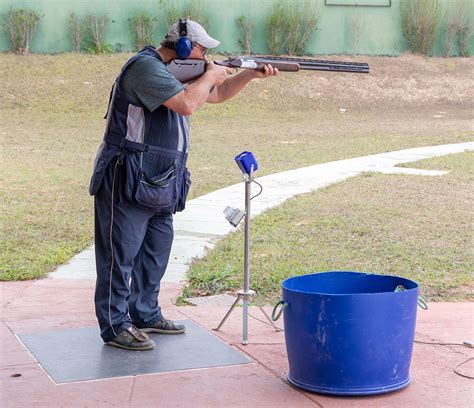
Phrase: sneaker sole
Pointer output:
(153, 330)
(113, 344)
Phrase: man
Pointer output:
(140, 180)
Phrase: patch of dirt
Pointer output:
(406, 81)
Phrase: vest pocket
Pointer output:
(156, 193)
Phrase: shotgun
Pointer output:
(186, 70)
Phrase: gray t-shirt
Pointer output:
(147, 82)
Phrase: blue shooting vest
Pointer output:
(128, 127)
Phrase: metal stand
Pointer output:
(246, 293)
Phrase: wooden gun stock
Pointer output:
(186, 70)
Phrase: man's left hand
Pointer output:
(268, 71)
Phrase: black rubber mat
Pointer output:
(79, 354)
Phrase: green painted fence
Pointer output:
(380, 27)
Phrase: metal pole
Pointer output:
(248, 181)
(246, 293)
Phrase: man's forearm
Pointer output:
(198, 91)
(233, 85)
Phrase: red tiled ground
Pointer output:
(51, 304)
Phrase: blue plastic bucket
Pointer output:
(349, 333)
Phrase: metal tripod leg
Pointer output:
(241, 295)
(228, 313)
(278, 329)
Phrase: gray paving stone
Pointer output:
(175, 273)
(214, 300)
(185, 249)
(76, 269)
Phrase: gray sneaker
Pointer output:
(132, 339)
(165, 327)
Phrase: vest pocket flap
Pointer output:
(161, 180)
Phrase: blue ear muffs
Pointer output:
(184, 45)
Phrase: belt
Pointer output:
(120, 141)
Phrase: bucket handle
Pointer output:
(421, 302)
(284, 305)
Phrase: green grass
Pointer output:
(52, 110)
(411, 226)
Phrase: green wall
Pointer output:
(380, 26)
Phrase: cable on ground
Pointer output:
(463, 344)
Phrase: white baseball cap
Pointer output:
(196, 33)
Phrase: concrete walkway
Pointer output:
(203, 222)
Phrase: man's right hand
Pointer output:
(197, 92)
(220, 73)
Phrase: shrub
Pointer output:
(76, 32)
(302, 19)
(20, 26)
(246, 26)
(193, 10)
(356, 26)
(465, 27)
(143, 28)
(97, 27)
(276, 22)
(290, 25)
(420, 20)
(451, 32)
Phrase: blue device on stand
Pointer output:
(248, 165)
(245, 161)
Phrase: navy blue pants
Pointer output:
(132, 248)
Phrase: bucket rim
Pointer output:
(415, 288)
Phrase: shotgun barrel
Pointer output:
(306, 63)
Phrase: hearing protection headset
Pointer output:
(184, 45)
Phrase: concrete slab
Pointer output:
(198, 225)
(29, 386)
(259, 332)
(12, 353)
(175, 273)
(432, 322)
(215, 300)
(9, 291)
(76, 269)
(86, 255)
(243, 386)
(79, 354)
(186, 247)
